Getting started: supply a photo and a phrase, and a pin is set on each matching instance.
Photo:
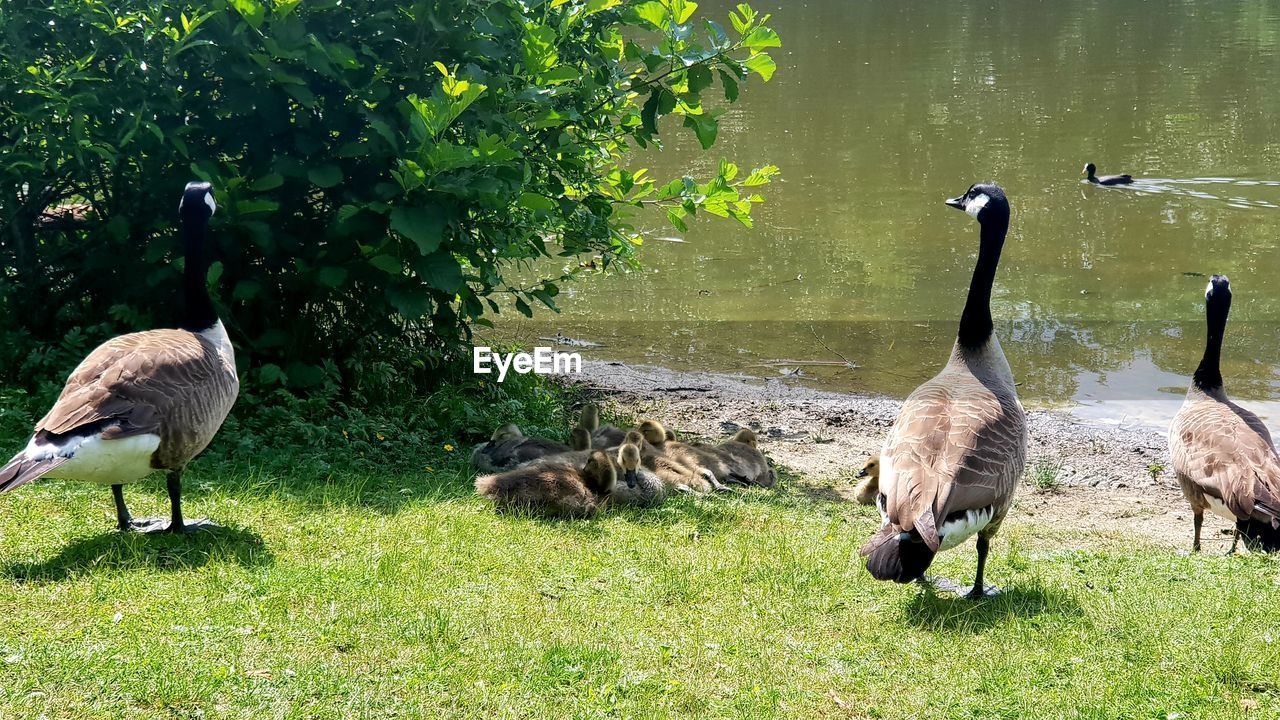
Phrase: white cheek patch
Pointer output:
(975, 205)
(1208, 290)
(208, 200)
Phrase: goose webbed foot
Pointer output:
(986, 591)
(153, 525)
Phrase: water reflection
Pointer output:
(879, 111)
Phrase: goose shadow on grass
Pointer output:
(933, 610)
(126, 551)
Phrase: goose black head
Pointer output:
(1218, 291)
(984, 201)
(1090, 169)
(197, 201)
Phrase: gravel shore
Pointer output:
(1080, 476)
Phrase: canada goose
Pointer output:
(673, 474)
(1090, 169)
(741, 456)
(953, 458)
(711, 467)
(145, 401)
(641, 487)
(869, 488)
(1222, 453)
(607, 436)
(509, 448)
(556, 489)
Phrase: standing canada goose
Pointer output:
(1222, 454)
(641, 487)
(1090, 169)
(607, 436)
(509, 448)
(953, 458)
(556, 489)
(869, 488)
(145, 401)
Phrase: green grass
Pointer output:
(1044, 476)
(351, 596)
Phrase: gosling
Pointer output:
(509, 448)
(869, 488)
(553, 489)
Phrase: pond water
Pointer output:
(880, 110)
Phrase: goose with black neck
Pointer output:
(146, 401)
(955, 454)
(1223, 455)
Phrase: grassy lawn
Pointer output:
(404, 596)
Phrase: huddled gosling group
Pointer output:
(605, 466)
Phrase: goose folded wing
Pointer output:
(1223, 455)
(127, 385)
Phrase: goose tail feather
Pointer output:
(890, 557)
(22, 470)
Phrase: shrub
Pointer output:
(380, 165)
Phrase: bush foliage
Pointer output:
(381, 165)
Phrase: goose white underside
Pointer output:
(954, 532)
(1219, 508)
(105, 462)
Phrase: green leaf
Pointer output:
(762, 65)
(325, 176)
(655, 13)
(440, 270)
(536, 202)
(699, 78)
(761, 37)
(387, 263)
(683, 10)
(524, 308)
(595, 6)
(705, 126)
(730, 84)
(409, 299)
(677, 215)
(331, 276)
(761, 176)
(267, 182)
(539, 44)
(423, 225)
(251, 10)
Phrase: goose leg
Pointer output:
(176, 524)
(1198, 521)
(979, 589)
(124, 522)
(1235, 540)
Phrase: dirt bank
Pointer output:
(1110, 480)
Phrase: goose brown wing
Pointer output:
(128, 384)
(956, 446)
(1226, 452)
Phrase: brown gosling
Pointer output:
(639, 486)
(509, 449)
(553, 489)
(747, 465)
(674, 475)
(701, 460)
(867, 490)
(607, 436)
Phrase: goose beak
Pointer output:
(956, 202)
(863, 472)
(630, 477)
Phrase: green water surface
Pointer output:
(880, 110)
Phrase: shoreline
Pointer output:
(1110, 479)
